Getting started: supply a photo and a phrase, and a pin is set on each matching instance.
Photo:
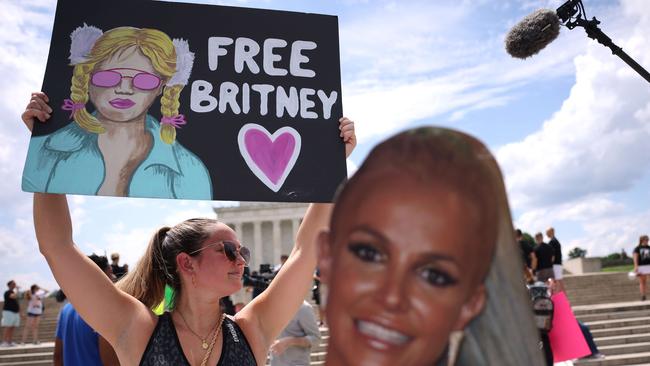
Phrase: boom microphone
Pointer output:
(533, 33)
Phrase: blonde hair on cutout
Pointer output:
(156, 46)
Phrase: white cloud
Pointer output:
(613, 233)
(596, 142)
(26, 279)
(606, 226)
(183, 215)
(24, 41)
(351, 167)
(435, 61)
(130, 243)
(593, 149)
(12, 246)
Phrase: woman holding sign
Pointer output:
(203, 260)
(413, 236)
(120, 149)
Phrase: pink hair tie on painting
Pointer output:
(69, 105)
(177, 121)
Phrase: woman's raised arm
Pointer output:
(91, 292)
(272, 310)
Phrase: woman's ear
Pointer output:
(324, 256)
(184, 263)
(472, 307)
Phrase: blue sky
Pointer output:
(570, 126)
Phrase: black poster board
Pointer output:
(256, 121)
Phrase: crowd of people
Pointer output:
(34, 305)
(11, 314)
(542, 260)
(392, 250)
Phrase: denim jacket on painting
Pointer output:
(69, 161)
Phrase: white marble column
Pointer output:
(295, 223)
(257, 245)
(277, 245)
(239, 230)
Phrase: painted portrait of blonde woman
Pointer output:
(115, 145)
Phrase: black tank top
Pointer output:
(164, 348)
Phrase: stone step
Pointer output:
(622, 339)
(580, 310)
(618, 323)
(614, 315)
(24, 357)
(602, 299)
(603, 291)
(318, 356)
(599, 279)
(609, 332)
(600, 288)
(617, 360)
(28, 348)
(27, 363)
(629, 348)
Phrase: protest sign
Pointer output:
(174, 100)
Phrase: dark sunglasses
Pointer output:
(230, 250)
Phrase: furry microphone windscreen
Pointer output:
(533, 33)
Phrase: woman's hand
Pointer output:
(348, 134)
(36, 108)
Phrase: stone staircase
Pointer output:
(43, 353)
(609, 304)
(601, 288)
(31, 354)
(606, 302)
(621, 332)
(27, 355)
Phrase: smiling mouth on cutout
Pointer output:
(380, 337)
(120, 103)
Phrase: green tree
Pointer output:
(577, 252)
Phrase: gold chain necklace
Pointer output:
(214, 340)
(204, 341)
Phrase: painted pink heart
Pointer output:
(270, 157)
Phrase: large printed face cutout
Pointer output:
(403, 269)
(123, 87)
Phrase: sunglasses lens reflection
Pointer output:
(246, 254)
(231, 252)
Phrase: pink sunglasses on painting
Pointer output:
(110, 78)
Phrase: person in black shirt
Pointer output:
(545, 256)
(118, 271)
(528, 255)
(10, 313)
(557, 253)
(642, 263)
